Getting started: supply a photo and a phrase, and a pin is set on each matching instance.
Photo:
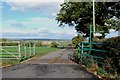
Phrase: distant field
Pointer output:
(38, 50)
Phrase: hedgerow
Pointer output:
(112, 57)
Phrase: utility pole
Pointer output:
(93, 18)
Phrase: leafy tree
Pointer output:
(54, 44)
(39, 43)
(77, 39)
(3, 40)
(80, 15)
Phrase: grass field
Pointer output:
(38, 50)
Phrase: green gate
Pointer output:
(83, 53)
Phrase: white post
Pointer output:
(19, 51)
(93, 18)
(34, 48)
(25, 50)
(30, 48)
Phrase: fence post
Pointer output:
(79, 53)
(34, 48)
(19, 51)
(25, 50)
(30, 48)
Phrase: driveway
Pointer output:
(52, 65)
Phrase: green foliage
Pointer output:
(54, 44)
(77, 39)
(10, 44)
(102, 72)
(64, 43)
(114, 45)
(9, 62)
(3, 39)
(114, 52)
(80, 15)
(112, 58)
(38, 44)
(76, 53)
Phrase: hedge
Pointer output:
(114, 51)
(112, 45)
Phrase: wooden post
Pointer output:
(19, 51)
(25, 50)
(34, 48)
(30, 48)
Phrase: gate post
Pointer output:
(19, 51)
(25, 50)
(30, 48)
(82, 46)
(34, 49)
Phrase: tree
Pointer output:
(54, 44)
(3, 40)
(77, 39)
(80, 15)
(39, 43)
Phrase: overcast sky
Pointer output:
(33, 19)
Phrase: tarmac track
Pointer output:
(52, 66)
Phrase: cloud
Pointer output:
(20, 35)
(42, 26)
(26, 6)
(44, 8)
(31, 23)
(32, 0)
(16, 24)
(36, 33)
(40, 19)
(46, 29)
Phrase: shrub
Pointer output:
(114, 51)
(77, 39)
(54, 44)
(39, 43)
(113, 55)
(10, 44)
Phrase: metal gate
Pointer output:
(10, 51)
(17, 50)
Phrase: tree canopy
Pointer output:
(80, 15)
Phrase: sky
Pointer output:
(34, 19)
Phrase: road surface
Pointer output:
(52, 65)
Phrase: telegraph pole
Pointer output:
(93, 18)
